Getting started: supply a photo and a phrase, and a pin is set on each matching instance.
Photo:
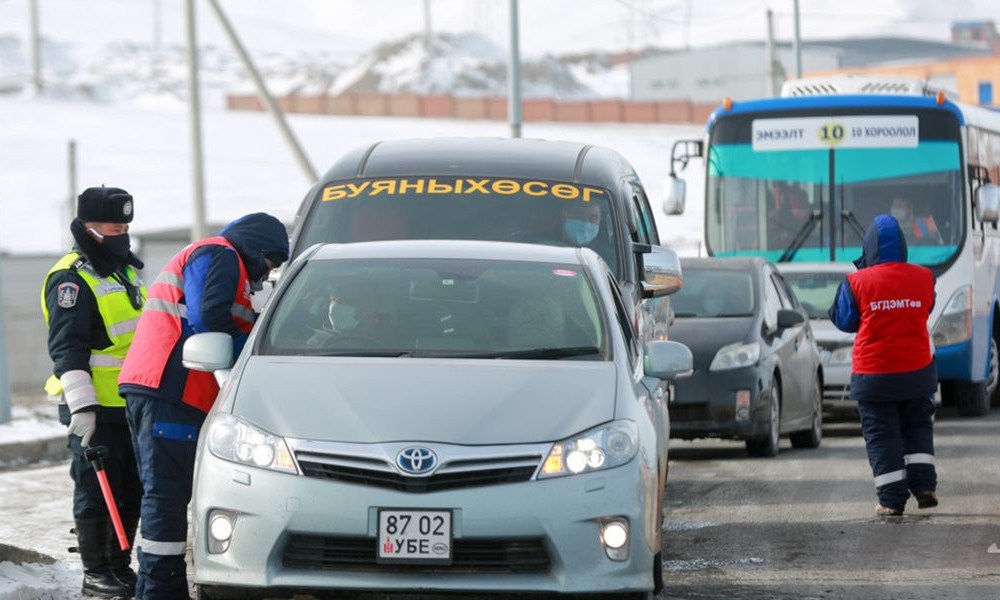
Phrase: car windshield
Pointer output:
(438, 308)
(714, 293)
(776, 192)
(815, 291)
(467, 208)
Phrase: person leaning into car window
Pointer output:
(204, 287)
(893, 374)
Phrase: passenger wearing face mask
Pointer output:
(91, 300)
(919, 230)
(205, 287)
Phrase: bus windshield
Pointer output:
(804, 187)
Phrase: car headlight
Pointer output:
(233, 439)
(735, 356)
(955, 324)
(840, 356)
(603, 447)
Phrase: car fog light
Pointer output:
(221, 527)
(614, 536)
(742, 405)
(220, 530)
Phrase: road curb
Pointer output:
(29, 452)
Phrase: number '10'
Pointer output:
(827, 132)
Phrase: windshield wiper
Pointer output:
(846, 215)
(536, 353)
(800, 237)
(366, 353)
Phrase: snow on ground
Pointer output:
(247, 166)
(26, 425)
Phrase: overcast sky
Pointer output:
(547, 26)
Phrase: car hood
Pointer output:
(370, 400)
(705, 336)
(827, 334)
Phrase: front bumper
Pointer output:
(560, 516)
(704, 405)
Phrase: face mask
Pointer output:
(117, 245)
(901, 214)
(580, 232)
(341, 316)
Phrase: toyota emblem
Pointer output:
(417, 460)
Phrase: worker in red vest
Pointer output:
(893, 375)
(205, 287)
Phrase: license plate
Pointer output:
(414, 536)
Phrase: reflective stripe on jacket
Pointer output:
(164, 328)
(119, 318)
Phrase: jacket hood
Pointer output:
(255, 236)
(884, 242)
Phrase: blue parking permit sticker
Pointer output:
(175, 431)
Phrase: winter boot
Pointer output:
(98, 578)
(121, 559)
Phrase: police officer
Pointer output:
(92, 299)
(893, 375)
(205, 287)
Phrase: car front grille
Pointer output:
(486, 556)
(451, 475)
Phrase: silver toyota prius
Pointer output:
(436, 416)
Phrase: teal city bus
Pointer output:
(799, 178)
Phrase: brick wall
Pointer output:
(450, 107)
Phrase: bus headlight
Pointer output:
(955, 324)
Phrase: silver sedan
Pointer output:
(436, 415)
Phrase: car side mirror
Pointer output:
(667, 360)
(211, 352)
(661, 272)
(674, 192)
(789, 318)
(988, 203)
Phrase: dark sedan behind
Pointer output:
(757, 374)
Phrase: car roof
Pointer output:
(816, 267)
(493, 157)
(473, 249)
(735, 262)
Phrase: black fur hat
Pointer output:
(104, 205)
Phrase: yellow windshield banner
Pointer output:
(458, 186)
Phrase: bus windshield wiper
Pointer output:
(801, 236)
(846, 215)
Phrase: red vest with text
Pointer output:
(163, 326)
(895, 300)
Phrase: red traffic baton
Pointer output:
(96, 456)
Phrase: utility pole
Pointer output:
(36, 48)
(514, 76)
(194, 110)
(427, 24)
(4, 372)
(265, 96)
(772, 87)
(798, 42)
(71, 196)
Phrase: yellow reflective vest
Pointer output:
(120, 320)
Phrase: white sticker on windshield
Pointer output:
(819, 133)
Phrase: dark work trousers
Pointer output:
(899, 438)
(164, 434)
(119, 466)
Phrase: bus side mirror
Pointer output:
(673, 202)
(988, 203)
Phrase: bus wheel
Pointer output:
(969, 397)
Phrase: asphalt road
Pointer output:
(802, 525)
